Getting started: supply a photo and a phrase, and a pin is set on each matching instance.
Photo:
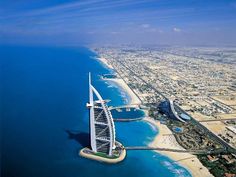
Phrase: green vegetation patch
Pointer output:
(100, 154)
(219, 167)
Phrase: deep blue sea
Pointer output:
(44, 120)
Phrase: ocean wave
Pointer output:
(153, 127)
(179, 172)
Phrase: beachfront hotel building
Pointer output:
(102, 130)
(167, 107)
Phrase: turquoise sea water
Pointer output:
(45, 121)
(127, 113)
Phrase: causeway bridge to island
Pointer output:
(125, 106)
(196, 152)
(127, 120)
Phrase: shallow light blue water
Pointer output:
(45, 121)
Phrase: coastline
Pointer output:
(105, 62)
(134, 100)
(164, 138)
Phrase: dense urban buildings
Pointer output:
(201, 82)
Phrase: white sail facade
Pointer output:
(102, 129)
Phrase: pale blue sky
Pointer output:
(181, 22)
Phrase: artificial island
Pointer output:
(104, 146)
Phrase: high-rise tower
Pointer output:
(102, 130)
(104, 147)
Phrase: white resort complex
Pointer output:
(102, 131)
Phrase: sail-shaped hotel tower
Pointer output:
(102, 130)
(104, 147)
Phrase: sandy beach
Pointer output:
(105, 62)
(134, 100)
(165, 139)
